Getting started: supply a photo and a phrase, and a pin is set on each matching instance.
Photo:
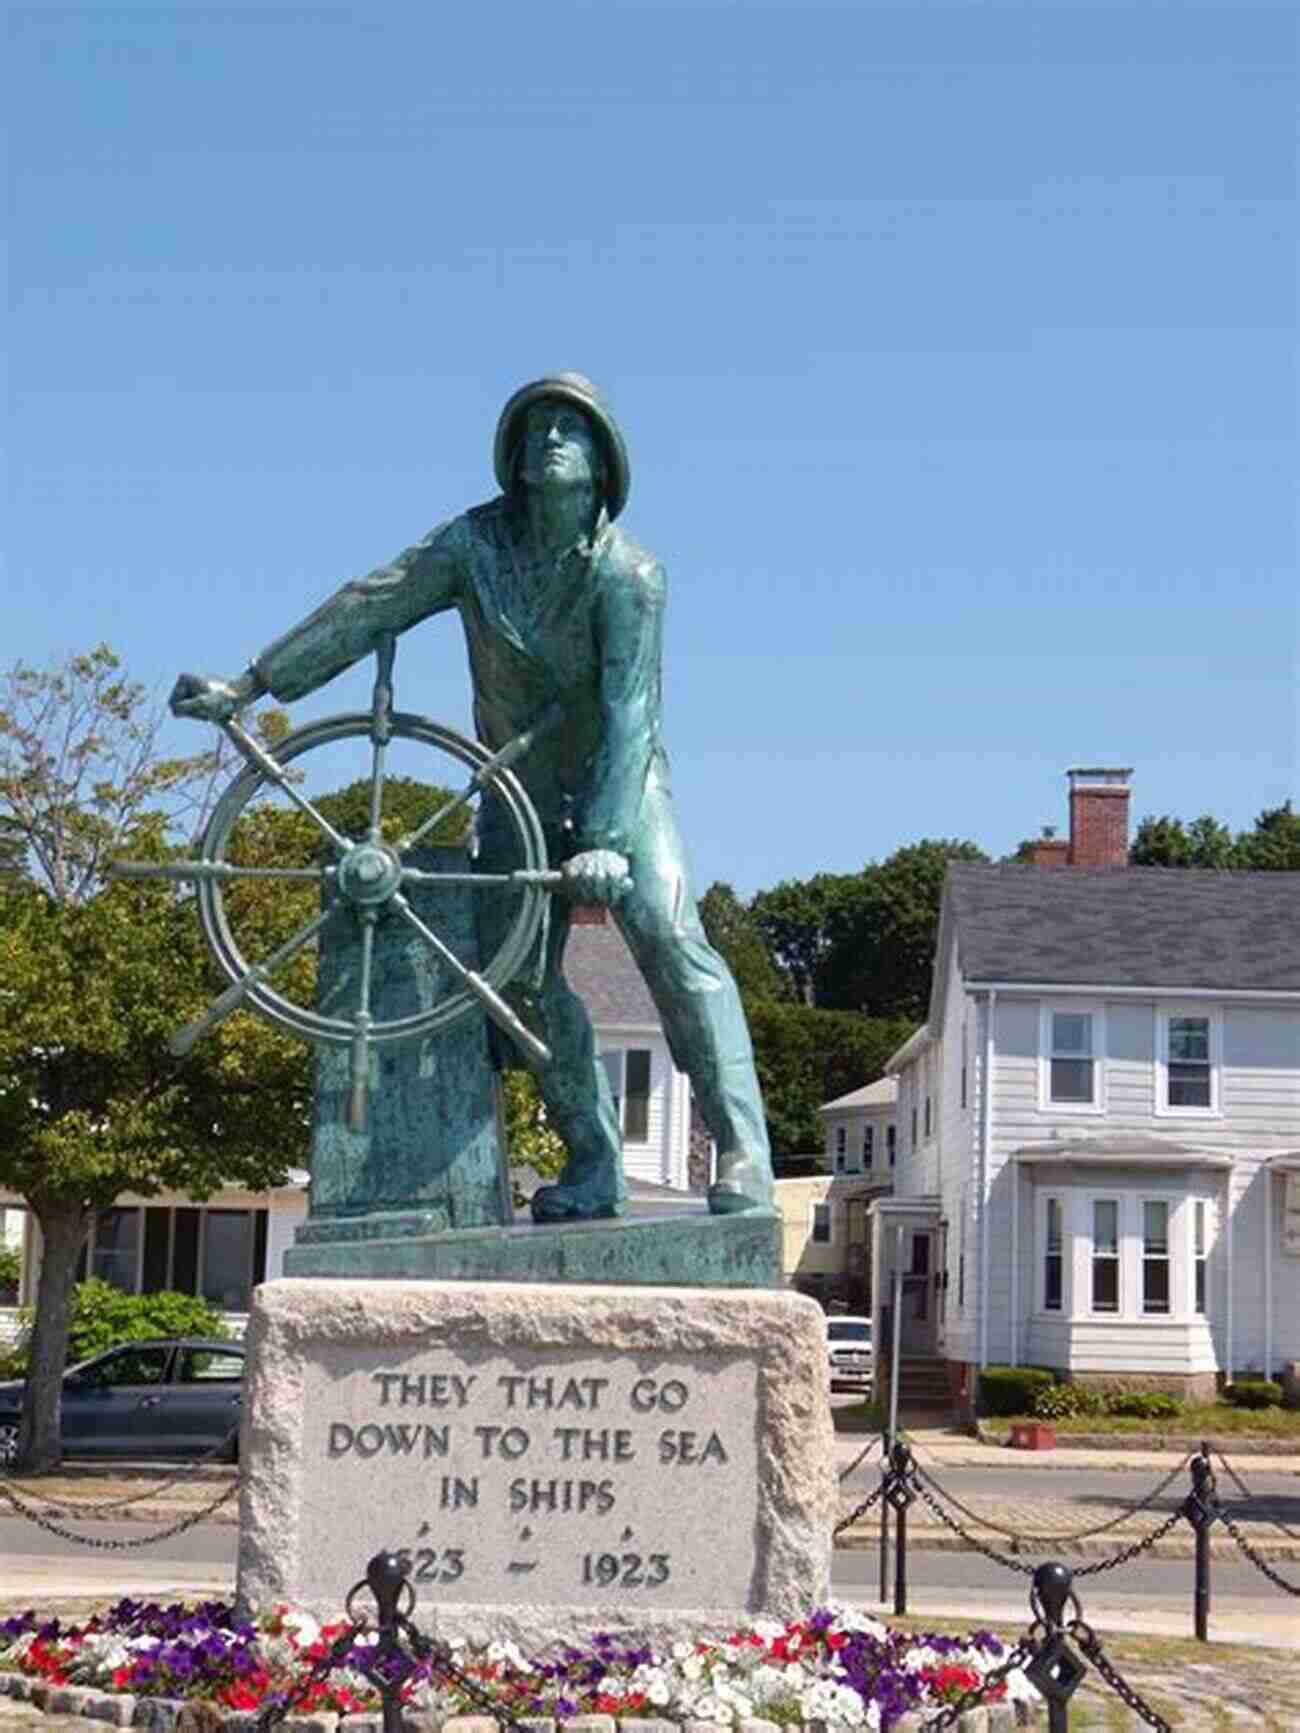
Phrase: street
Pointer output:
(1153, 1594)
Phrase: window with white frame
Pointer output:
(1071, 1047)
(1053, 1255)
(1187, 1061)
(821, 1224)
(868, 1144)
(628, 1070)
(1105, 1255)
(1155, 1256)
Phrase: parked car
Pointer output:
(849, 1348)
(178, 1397)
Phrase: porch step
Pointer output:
(923, 1382)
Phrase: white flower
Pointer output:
(681, 1651)
(303, 1629)
(693, 1669)
(657, 1692)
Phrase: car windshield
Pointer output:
(845, 1330)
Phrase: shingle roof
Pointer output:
(600, 969)
(878, 1094)
(1127, 926)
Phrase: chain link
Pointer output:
(1260, 1564)
(70, 1506)
(859, 1460)
(1134, 1550)
(438, 1655)
(1090, 1645)
(190, 1520)
(861, 1511)
(331, 1659)
(1055, 1539)
(1252, 1497)
(951, 1713)
(971, 1540)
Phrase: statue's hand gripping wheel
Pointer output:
(368, 877)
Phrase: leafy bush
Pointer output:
(103, 1316)
(1143, 1405)
(1253, 1393)
(11, 1264)
(1011, 1389)
(1067, 1402)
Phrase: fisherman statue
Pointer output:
(563, 617)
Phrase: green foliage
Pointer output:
(1273, 845)
(1012, 1389)
(11, 1265)
(862, 941)
(1253, 1393)
(735, 934)
(103, 1316)
(806, 1057)
(1143, 1405)
(1066, 1402)
(794, 920)
(1168, 842)
(406, 806)
(884, 930)
(530, 1141)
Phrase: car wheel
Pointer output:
(8, 1444)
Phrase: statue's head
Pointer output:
(563, 408)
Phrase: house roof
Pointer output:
(600, 969)
(1127, 926)
(1136, 1150)
(882, 1093)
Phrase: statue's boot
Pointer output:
(744, 1182)
(591, 1187)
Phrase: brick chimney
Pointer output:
(1099, 817)
(1049, 850)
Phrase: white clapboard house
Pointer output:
(222, 1248)
(1098, 1163)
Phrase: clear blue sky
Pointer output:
(955, 347)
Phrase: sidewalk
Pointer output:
(1025, 1525)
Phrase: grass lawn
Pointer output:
(1212, 1420)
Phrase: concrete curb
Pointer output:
(860, 1538)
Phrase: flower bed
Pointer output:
(839, 1667)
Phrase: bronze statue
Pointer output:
(563, 615)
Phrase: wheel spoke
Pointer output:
(483, 991)
(502, 760)
(262, 760)
(233, 997)
(359, 1067)
(549, 881)
(214, 871)
(471, 788)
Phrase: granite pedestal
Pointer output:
(552, 1457)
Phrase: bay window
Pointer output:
(1155, 1256)
(1053, 1263)
(1105, 1255)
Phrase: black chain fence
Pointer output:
(904, 1482)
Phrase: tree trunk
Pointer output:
(63, 1232)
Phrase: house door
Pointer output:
(916, 1334)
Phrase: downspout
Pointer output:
(986, 1144)
(1229, 1224)
(1015, 1263)
(1268, 1271)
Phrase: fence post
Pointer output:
(1200, 1507)
(900, 1495)
(1054, 1669)
(884, 1523)
(386, 1575)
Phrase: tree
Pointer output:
(734, 934)
(882, 935)
(1168, 842)
(795, 920)
(1273, 845)
(806, 1057)
(94, 976)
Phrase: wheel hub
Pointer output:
(369, 874)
